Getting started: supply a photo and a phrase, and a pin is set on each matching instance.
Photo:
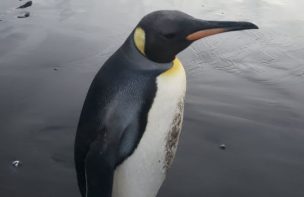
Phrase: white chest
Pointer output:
(142, 174)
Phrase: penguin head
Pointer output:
(161, 35)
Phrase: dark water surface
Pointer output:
(245, 91)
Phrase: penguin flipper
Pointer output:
(99, 169)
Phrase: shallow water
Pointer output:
(245, 90)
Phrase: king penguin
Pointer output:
(132, 115)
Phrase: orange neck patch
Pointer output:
(175, 69)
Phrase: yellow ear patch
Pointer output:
(140, 39)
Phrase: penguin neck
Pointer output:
(139, 60)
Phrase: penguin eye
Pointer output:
(169, 35)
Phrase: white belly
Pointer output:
(142, 174)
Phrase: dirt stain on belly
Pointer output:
(173, 135)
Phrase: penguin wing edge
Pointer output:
(99, 169)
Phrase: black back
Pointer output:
(114, 114)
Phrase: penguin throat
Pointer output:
(140, 39)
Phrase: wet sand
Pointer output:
(245, 91)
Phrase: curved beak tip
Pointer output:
(251, 26)
(255, 26)
(241, 26)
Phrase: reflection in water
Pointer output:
(245, 90)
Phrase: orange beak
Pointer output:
(204, 33)
(214, 27)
